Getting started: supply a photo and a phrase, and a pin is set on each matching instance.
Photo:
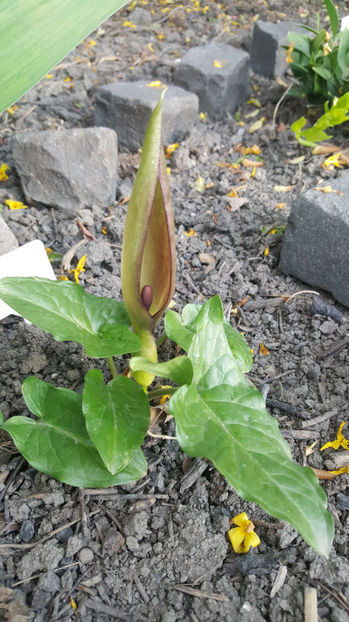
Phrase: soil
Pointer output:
(157, 549)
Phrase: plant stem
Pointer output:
(161, 340)
(112, 367)
(160, 392)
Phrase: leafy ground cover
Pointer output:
(158, 549)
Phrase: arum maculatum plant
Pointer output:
(94, 438)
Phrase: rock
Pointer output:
(218, 74)
(315, 247)
(8, 241)
(26, 531)
(67, 169)
(43, 557)
(75, 544)
(126, 107)
(268, 57)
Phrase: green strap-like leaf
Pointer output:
(179, 369)
(58, 443)
(343, 53)
(117, 417)
(35, 35)
(333, 15)
(66, 311)
(222, 417)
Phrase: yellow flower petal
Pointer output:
(240, 519)
(15, 204)
(3, 174)
(340, 441)
(236, 537)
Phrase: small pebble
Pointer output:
(328, 327)
(26, 531)
(132, 544)
(85, 555)
(342, 501)
(113, 541)
(65, 534)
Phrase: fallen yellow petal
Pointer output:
(15, 204)
(340, 441)
(157, 84)
(3, 174)
(257, 125)
(263, 350)
(219, 64)
(190, 233)
(243, 536)
(340, 471)
(170, 149)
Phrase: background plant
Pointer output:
(336, 114)
(320, 61)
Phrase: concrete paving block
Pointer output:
(267, 56)
(315, 248)
(8, 241)
(218, 74)
(127, 106)
(67, 169)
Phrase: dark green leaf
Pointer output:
(117, 417)
(343, 53)
(322, 72)
(300, 42)
(58, 443)
(222, 417)
(179, 369)
(65, 310)
(332, 14)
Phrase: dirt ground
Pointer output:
(157, 549)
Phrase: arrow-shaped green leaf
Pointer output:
(58, 443)
(222, 417)
(66, 311)
(117, 417)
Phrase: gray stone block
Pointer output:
(67, 169)
(218, 74)
(267, 56)
(315, 248)
(8, 241)
(127, 106)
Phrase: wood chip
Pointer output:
(279, 581)
(199, 593)
(310, 604)
(300, 435)
(310, 422)
(234, 203)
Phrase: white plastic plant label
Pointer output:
(345, 23)
(27, 260)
